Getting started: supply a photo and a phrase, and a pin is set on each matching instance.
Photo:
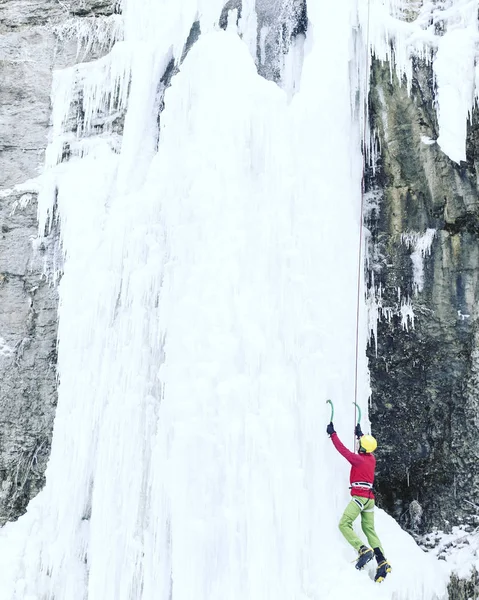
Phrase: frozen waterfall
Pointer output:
(207, 310)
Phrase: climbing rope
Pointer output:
(360, 252)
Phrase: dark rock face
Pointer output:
(424, 378)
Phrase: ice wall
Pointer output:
(208, 309)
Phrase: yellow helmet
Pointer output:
(368, 443)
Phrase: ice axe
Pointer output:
(332, 409)
(359, 412)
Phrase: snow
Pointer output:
(207, 310)
(454, 69)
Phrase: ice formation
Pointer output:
(420, 244)
(444, 32)
(207, 310)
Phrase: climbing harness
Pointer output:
(361, 484)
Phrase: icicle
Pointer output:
(421, 244)
(62, 94)
(248, 26)
(104, 85)
(399, 32)
(94, 34)
(292, 66)
(374, 308)
(407, 314)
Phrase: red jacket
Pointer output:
(362, 468)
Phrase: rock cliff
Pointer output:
(422, 214)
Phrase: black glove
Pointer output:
(330, 429)
(357, 431)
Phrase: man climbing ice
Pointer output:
(361, 478)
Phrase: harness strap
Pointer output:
(362, 484)
(361, 505)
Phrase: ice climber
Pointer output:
(361, 478)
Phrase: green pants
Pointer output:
(367, 522)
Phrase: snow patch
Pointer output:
(5, 349)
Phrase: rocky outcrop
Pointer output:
(422, 213)
(27, 357)
(29, 38)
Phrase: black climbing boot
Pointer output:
(383, 566)
(365, 555)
